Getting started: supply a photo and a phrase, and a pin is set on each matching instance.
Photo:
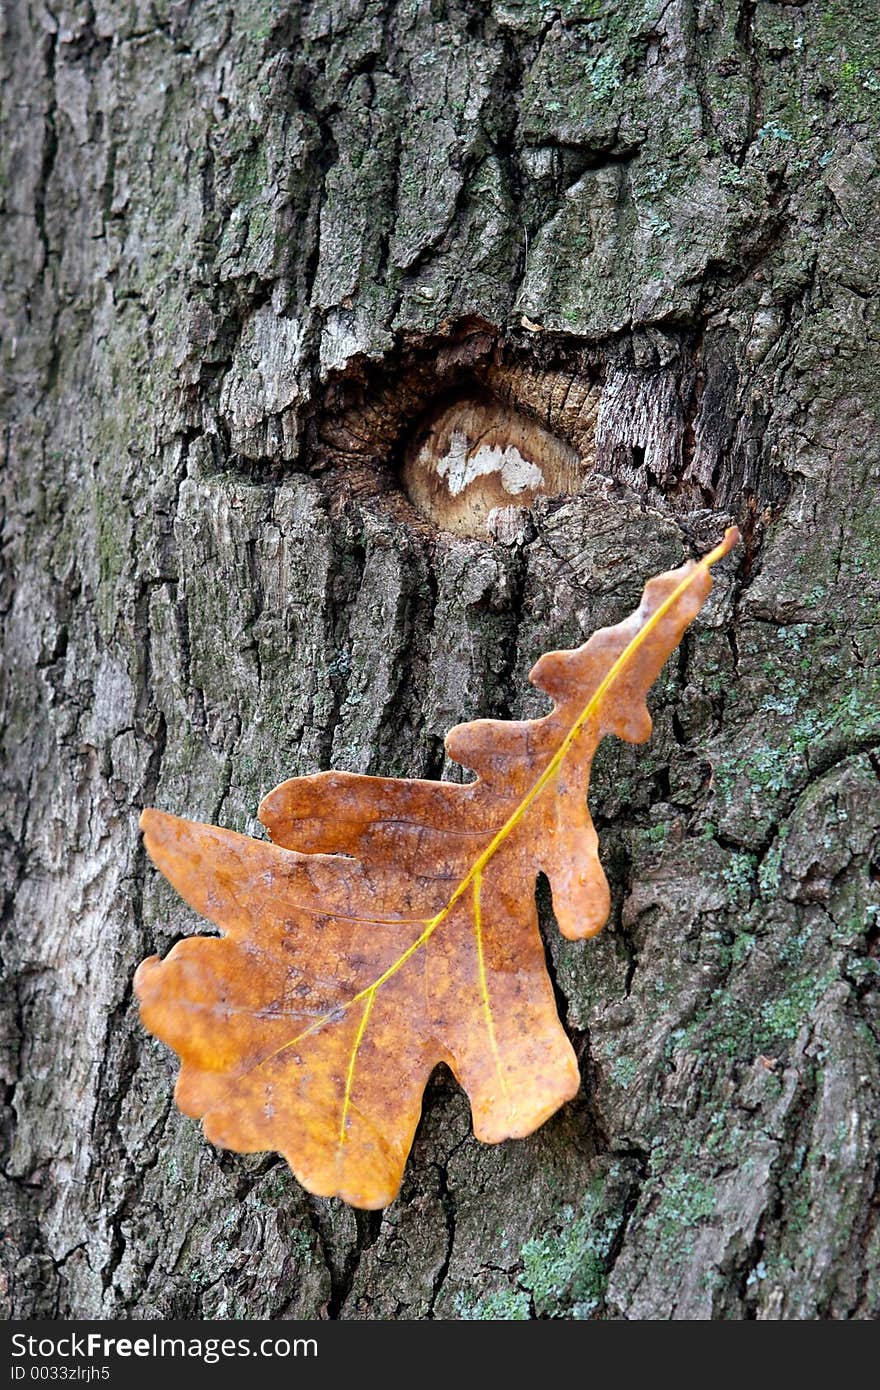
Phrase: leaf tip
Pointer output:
(152, 821)
(143, 983)
(161, 832)
(731, 538)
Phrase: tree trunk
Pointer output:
(247, 246)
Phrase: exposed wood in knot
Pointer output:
(387, 430)
(662, 421)
(478, 465)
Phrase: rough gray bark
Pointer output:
(243, 243)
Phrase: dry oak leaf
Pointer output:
(392, 925)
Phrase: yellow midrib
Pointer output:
(474, 874)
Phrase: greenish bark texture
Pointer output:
(230, 227)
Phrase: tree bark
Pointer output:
(246, 245)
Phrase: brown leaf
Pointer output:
(392, 926)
